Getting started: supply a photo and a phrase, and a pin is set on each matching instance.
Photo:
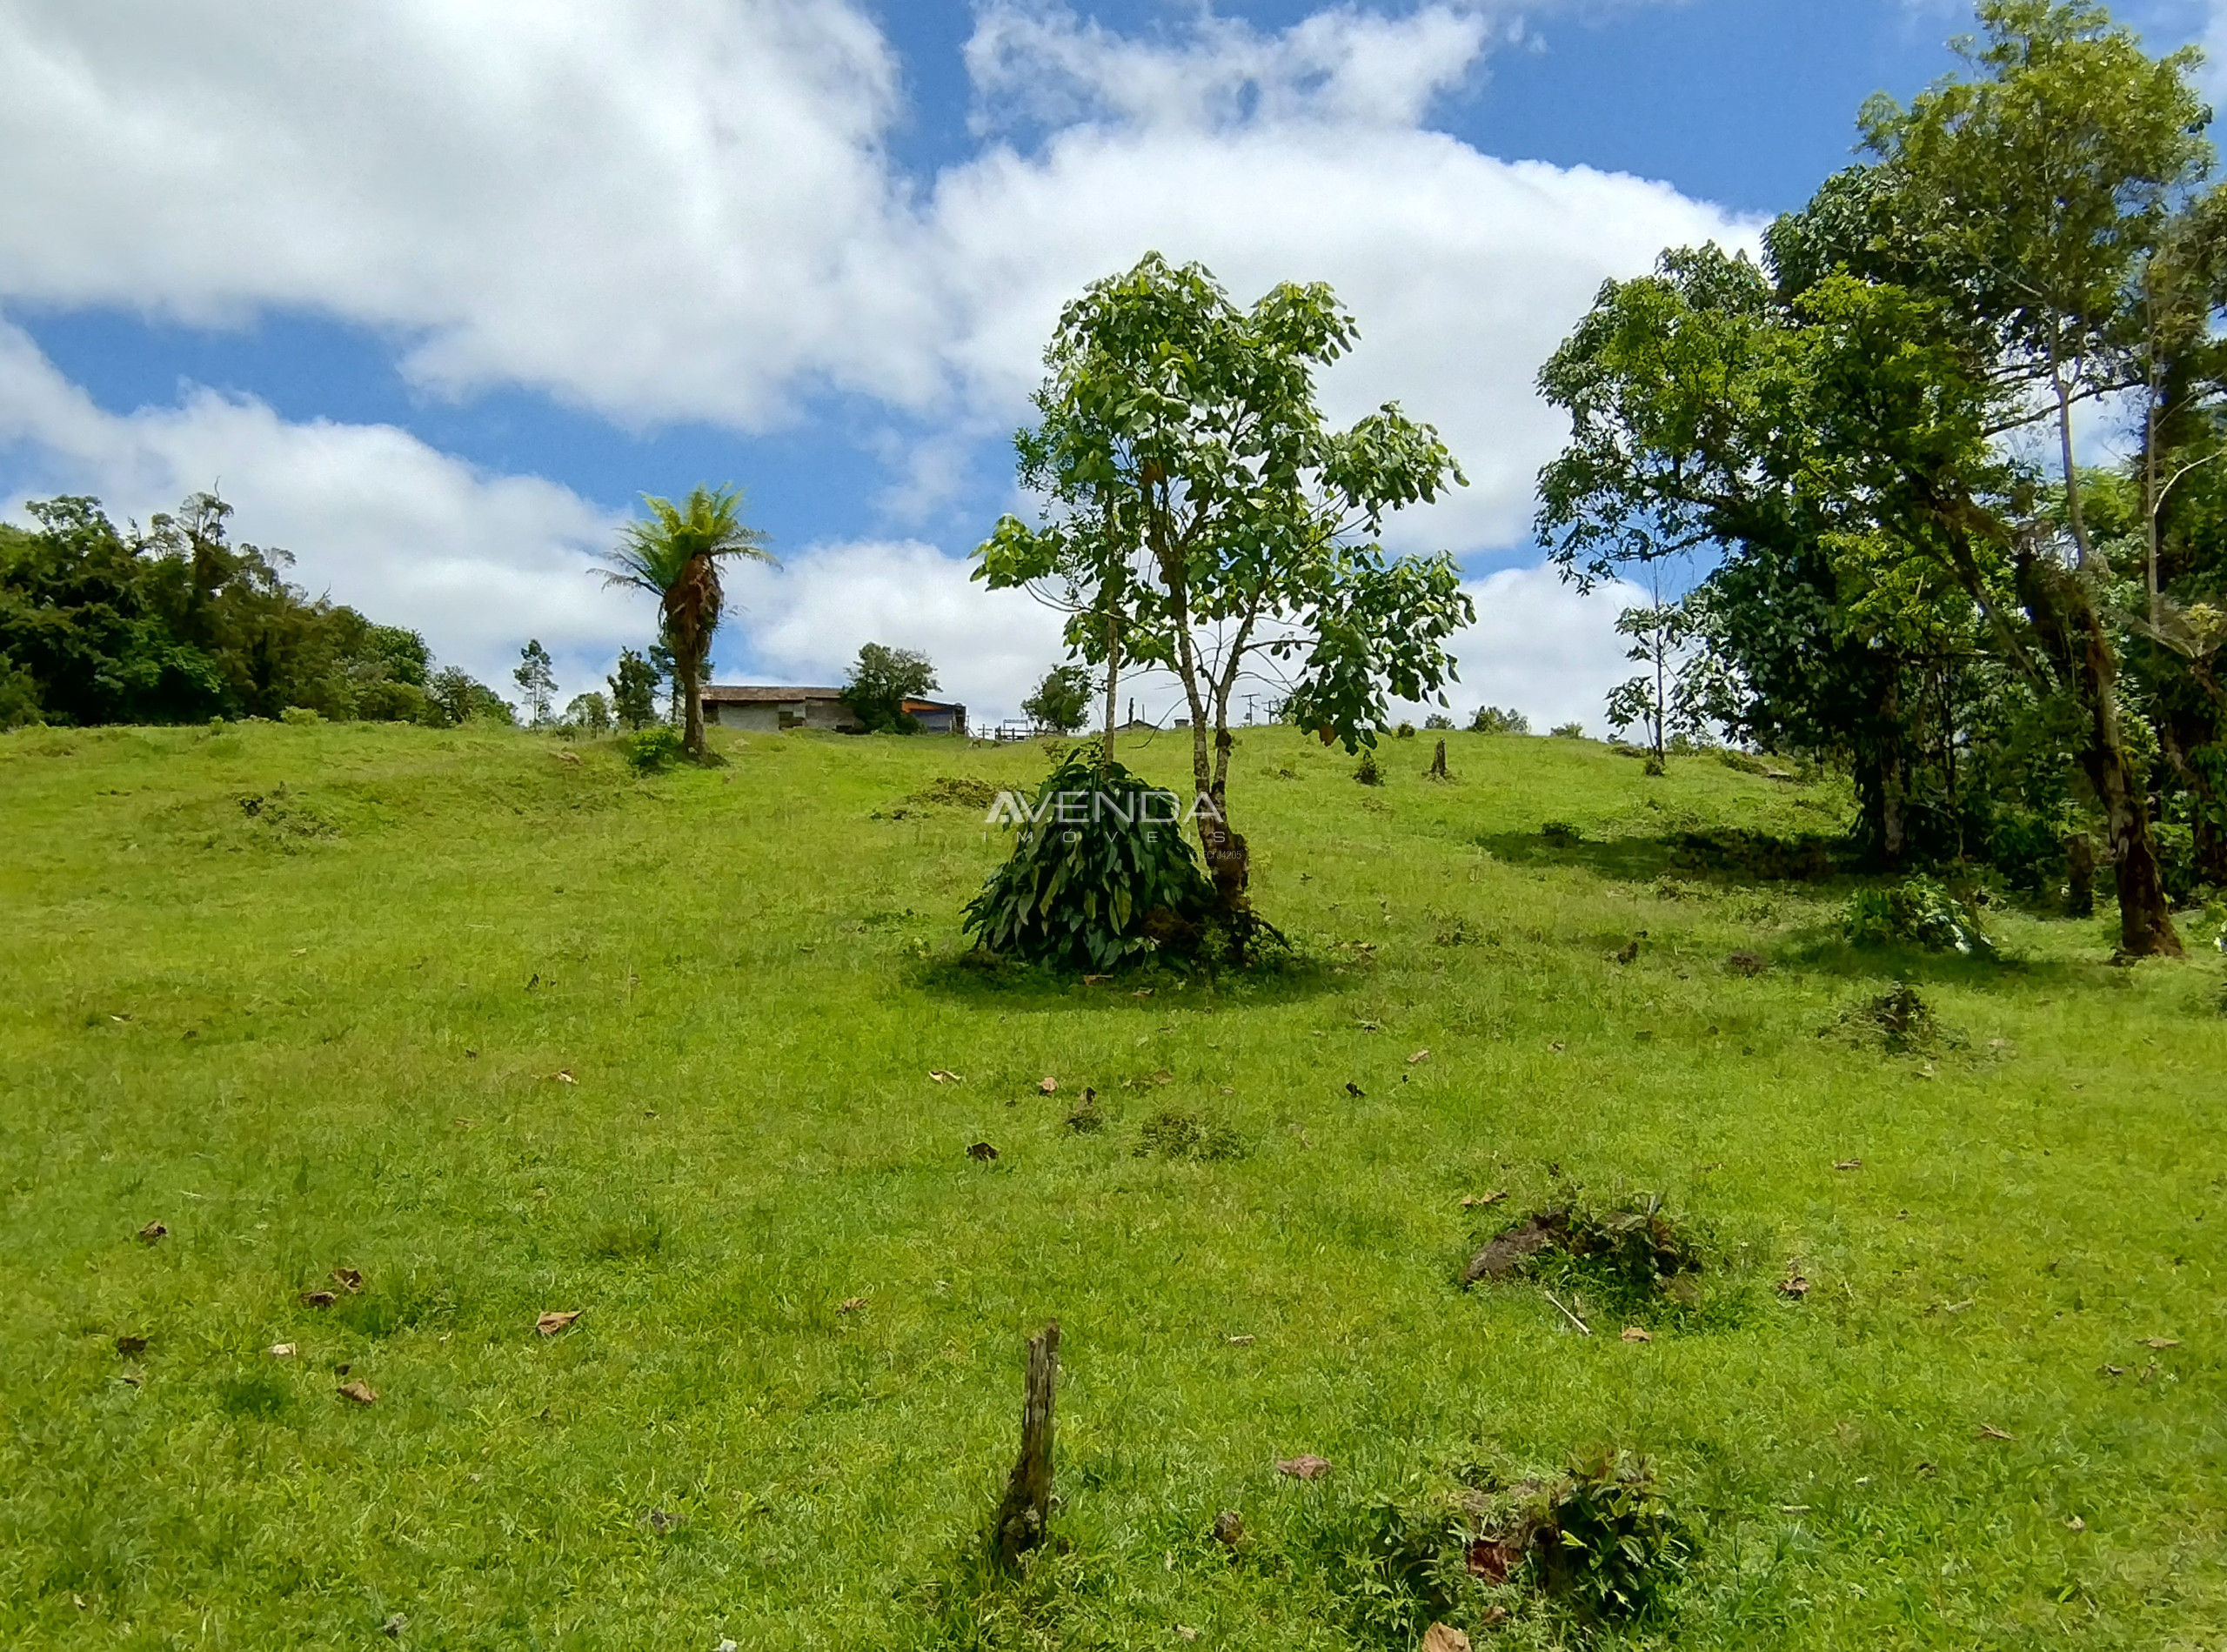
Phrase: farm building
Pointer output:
(772, 709)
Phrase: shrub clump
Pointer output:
(651, 750)
(1560, 834)
(1100, 874)
(1369, 772)
(1918, 910)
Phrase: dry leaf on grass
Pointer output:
(1988, 1431)
(1303, 1467)
(1797, 1288)
(2161, 1343)
(1418, 1058)
(1557, 1048)
(982, 1152)
(943, 1075)
(1633, 1333)
(550, 1324)
(564, 1075)
(1048, 1085)
(349, 1280)
(852, 1305)
(281, 1350)
(1096, 980)
(318, 1299)
(1141, 992)
(359, 1391)
(1241, 1341)
(1440, 1638)
(152, 1232)
(1848, 1164)
(2075, 1524)
(1473, 1202)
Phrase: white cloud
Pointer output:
(1540, 648)
(374, 517)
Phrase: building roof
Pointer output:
(734, 694)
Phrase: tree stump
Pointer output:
(1438, 763)
(1027, 1506)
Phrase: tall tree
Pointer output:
(675, 556)
(634, 691)
(536, 676)
(1061, 702)
(1204, 520)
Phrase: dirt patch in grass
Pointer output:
(1632, 1259)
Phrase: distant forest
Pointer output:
(178, 624)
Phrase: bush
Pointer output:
(300, 717)
(1405, 732)
(1607, 1540)
(1438, 722)
(1919, 912)
(1568, 732)
(1113, 881)
(654, 750)
(1369, 772)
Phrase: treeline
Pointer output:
(178, 624)
(1872, 439)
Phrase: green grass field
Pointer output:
(511, 1034)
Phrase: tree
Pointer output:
(1660, 632)
(675, 556)
(536, 676)
(1201, 519)
(2032, 203)
(880, 681)
(458, 696)
(589, 712)
(1061, 702)
(1491, 719)
(633, 692)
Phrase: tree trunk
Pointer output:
(2145, 915)
(692, 693)
(2080, 876)
(1027, 1508)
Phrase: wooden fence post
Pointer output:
(1027, 1506)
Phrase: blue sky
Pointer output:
(433, 341)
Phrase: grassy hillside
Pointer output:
(512, 1035)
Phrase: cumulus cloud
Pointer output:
(374, 517)
(1540, 648)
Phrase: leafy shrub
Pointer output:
(1113, 881)
(2177, 866)
(1438, 722)
(1560, 834)
(300, 717)
(1567, 731)
(1899, 1021)
(653, 749)
(1917, 911)
(1369, 772)
(1491, 719)
(1405, 732)
(1607, 1540)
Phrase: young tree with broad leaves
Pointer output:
(1203, 519)
(536, 676)
(675, 556)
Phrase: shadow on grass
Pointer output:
(1726, 855)
(1826, 952)
(975, 978)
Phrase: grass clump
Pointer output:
(1899, 1021)
(1631, 1257)
(1172, 1135)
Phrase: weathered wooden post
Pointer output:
(1438, 763)
(1027, 1506)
